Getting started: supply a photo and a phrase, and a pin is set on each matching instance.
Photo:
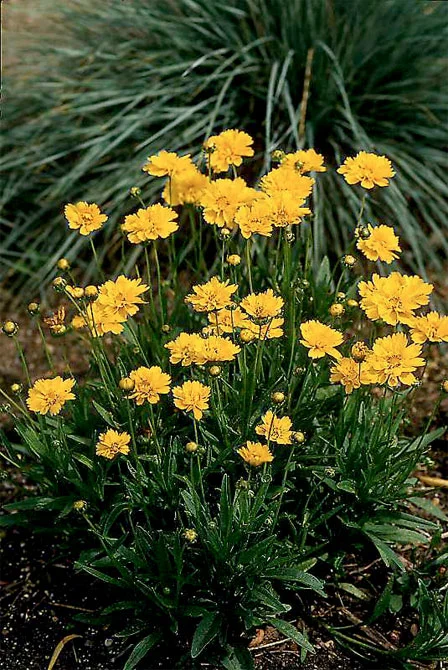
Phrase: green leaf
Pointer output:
(295, 575)
(354, 591)
(346, 485)
(100, 575)
(85, 460)
(395, 603)
(238, 658)
(383, 601)
(141, 649)
(291, 632)
(429, 507)
(105, 414)
(206, 631)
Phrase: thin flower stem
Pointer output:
(45, 346)
(97, 262)
(21, 354)
(159, 283)
(249, 265)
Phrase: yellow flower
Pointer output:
(84, 217)
(99, 320)
(393, 360)
(228, 148)
(149, 224)
(192, 397)
(149, 384)
(255, 453)
(349, 373)
(320, 339)
(186, 349)
(185, 187)
(304, 161)
(359, 351)
(167, 164)
(121, 297)
(50, 395)
(219, 349)
(112, 443)
(255, 219)
(226, 320)
(275, 429)
(267, 331)
(381, 244)
(368, 169)
(285, 178)
(262, 305)
(220, 200)
(394, 298)
(212, 295)
(286, 209)
(431, 327)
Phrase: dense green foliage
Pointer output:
(98, 86)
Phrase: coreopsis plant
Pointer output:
(241, 408)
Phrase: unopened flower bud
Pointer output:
(349, 260)
(277, 156)
(91, 292)
(191, 447)
(246, 336)
(16, 388)
(58, 330)
(340, 295)
(352, 303)
(10, 328)
(225, 232)
(444, 385)
(33, 308)
(278, 397)
(289, 236)
(135, 191)
(59, 284)
(190, 535)
(77, 292)
(126, 384)
(215, 370)
(359, 351)
(79, 505)
(234, 259)
(337, 309)
(299, 437)
(63, 264)
(166, 328)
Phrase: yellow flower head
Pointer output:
(255, 453)
(100, 320)
(84, 217)
(112, 443)
(192, 396)
(167, 164)
(285, 178)
(212, 295)
(266, 331)
(320, 339)
(262, 305)
(226, 320)
(149, 384)
(275, 429)
(431, 327)
(220, 200)
(228, 148)
(394, 298)
(349, 373)
(121, 298)
(381, 244)
(150, 223)
(50, 395)
(304, 161)
(219, 349)
(367, 169)
(286, 209)
(186, 349)
(255, 219)
(185, 187)
(233, 259)
(393, 360)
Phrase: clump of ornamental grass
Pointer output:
(241, 422)
(117, 81)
